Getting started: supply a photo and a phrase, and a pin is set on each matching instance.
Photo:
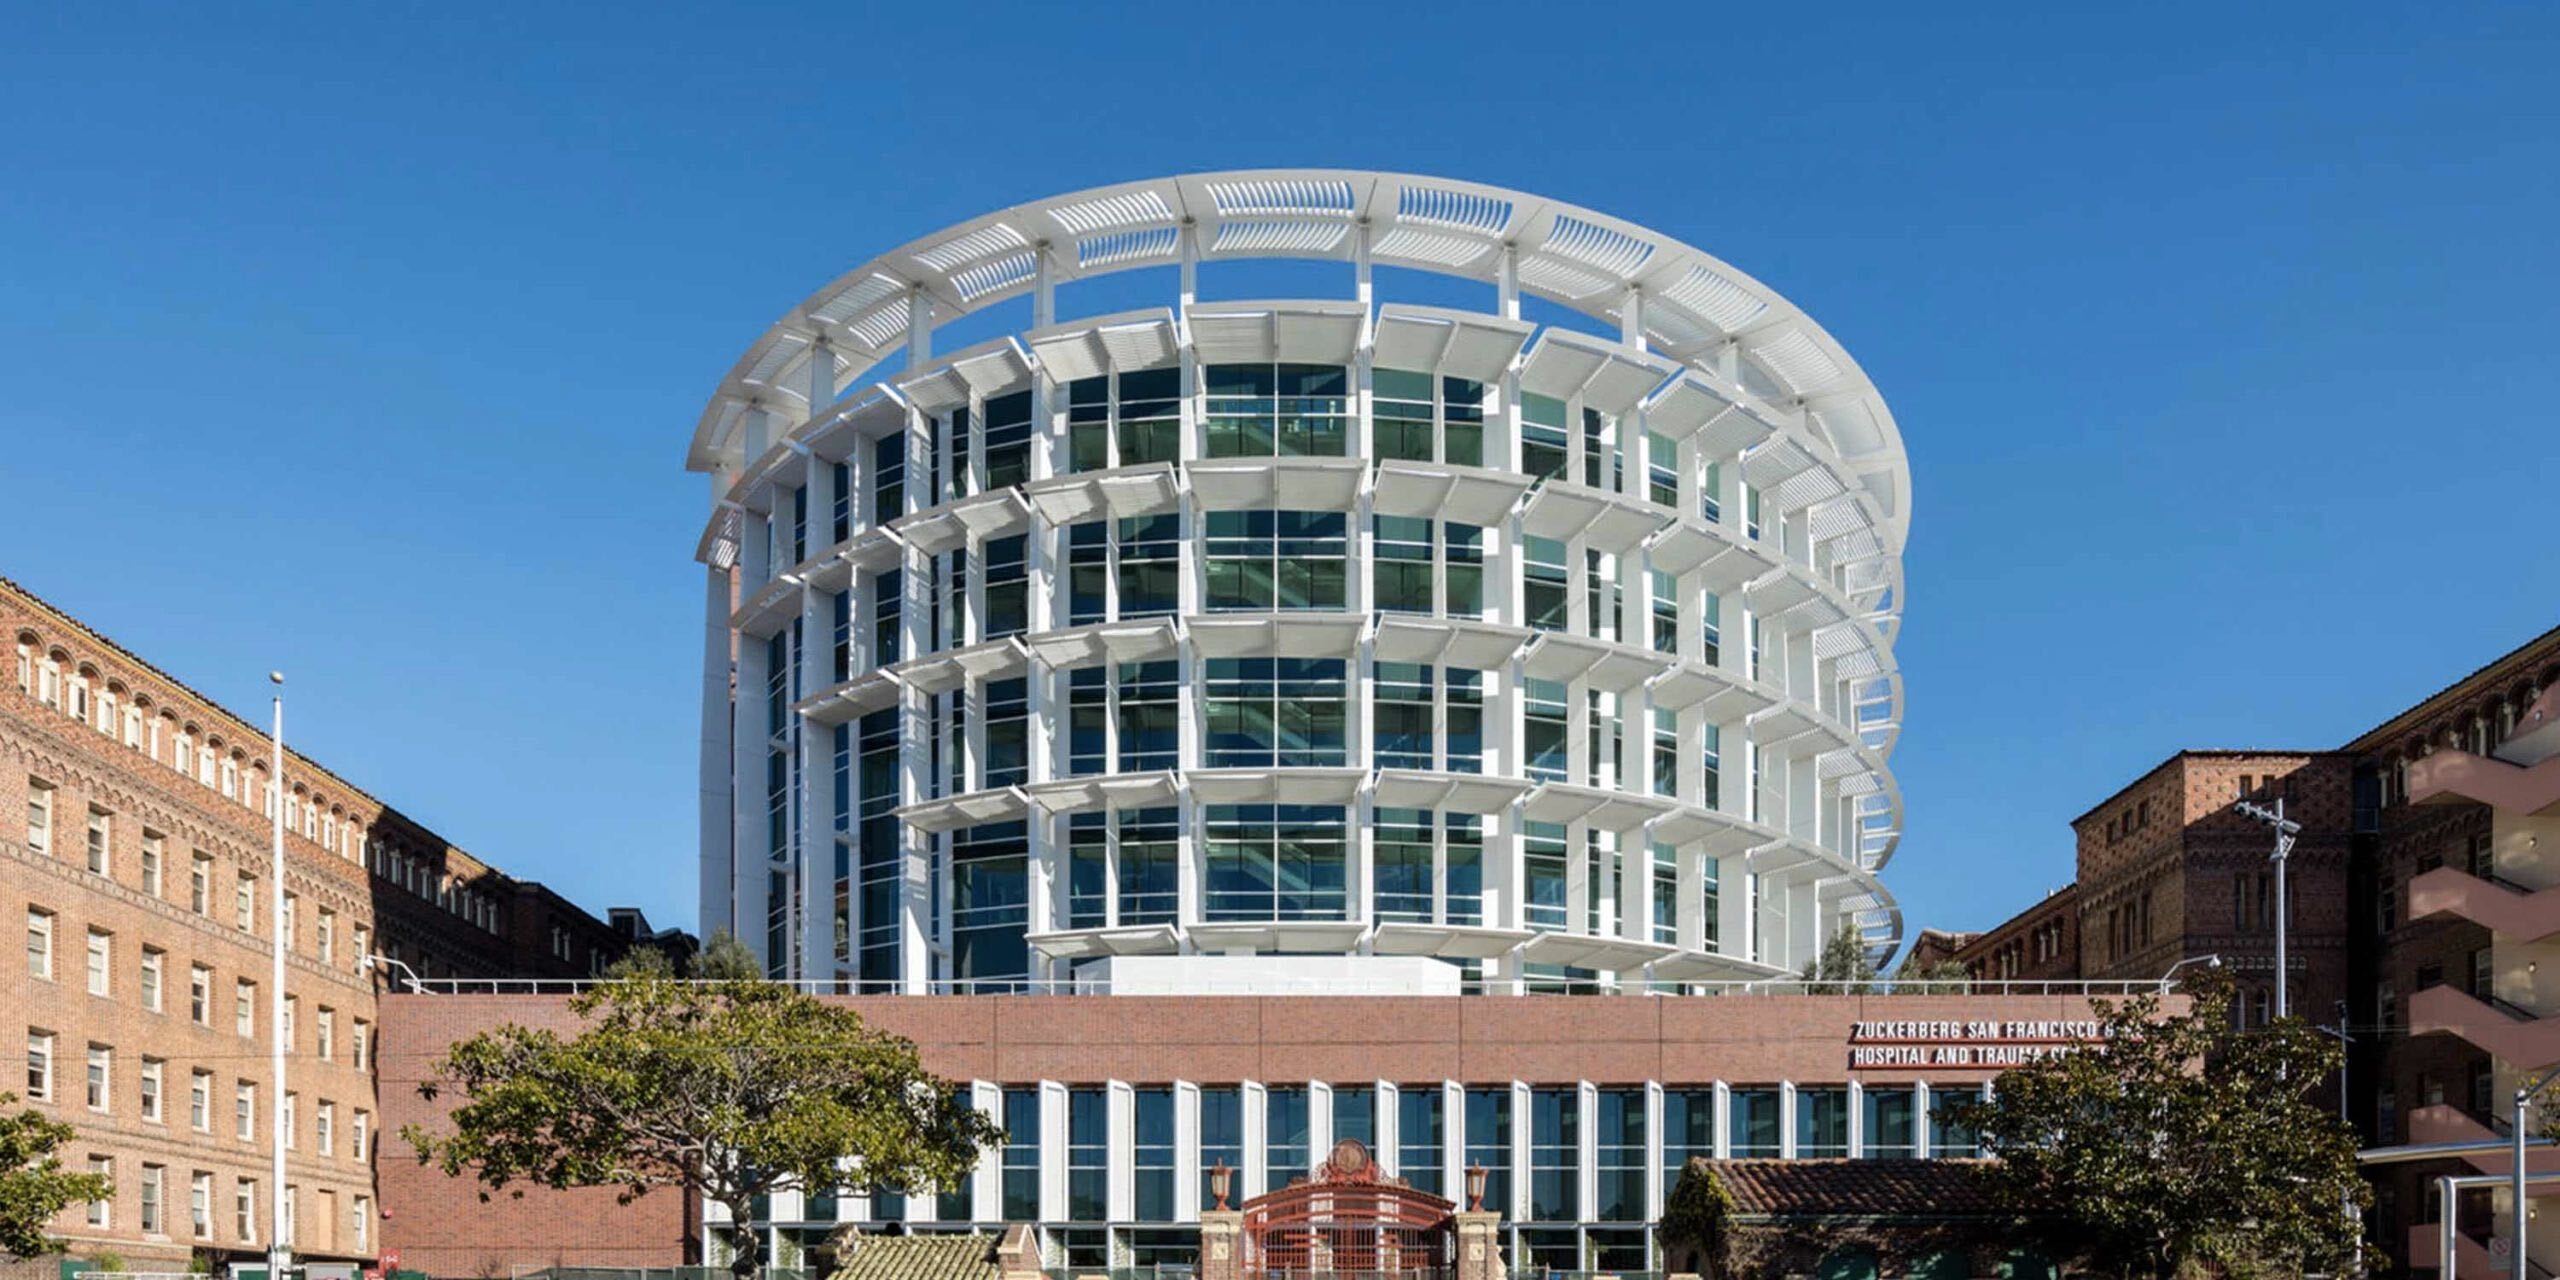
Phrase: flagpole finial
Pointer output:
(275, 677)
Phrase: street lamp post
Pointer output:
(2285, 830)
(2525, 1094)
(279, 1250)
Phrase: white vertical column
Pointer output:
(1786, 1119)
(986, 1182)
(718, 763)
(1519, 1207)
(1857, 1121)
(815, 858)
(1920, 1119)
(1257, 1141)
(748, 886)
(1655, 1186)
(1319, 1124)
(1053, 1151)
(1586, 1194)
(1453, 1143)
(1120, 1162)
(1186, 1152)
(1724, 1121)
(1386, 1124)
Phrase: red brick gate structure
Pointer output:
(1349, 1220)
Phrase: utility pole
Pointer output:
(2285, 830)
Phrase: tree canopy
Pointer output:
(33, 1187)
(2176, 1143)
(734, 1089)
(1842, 966)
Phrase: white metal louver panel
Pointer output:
(1428, 248)
(1279, 236)
(1222, 335)
(1625, 380)
(1268, 196)
(1560, 362)
(1678, 410)
(1797, 360)
(1112, 212)
(1086, 348)
(1127, 248)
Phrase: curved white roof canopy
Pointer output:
(1694, 307)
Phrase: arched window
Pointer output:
(49, 679)
(185, 759)
(26, 662)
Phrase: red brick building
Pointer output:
(135, 862)
(2423, 903)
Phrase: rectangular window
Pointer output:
(360, 1136)
(1543, 584)
(244, 1210)
(1619, 1129)
(244, 904)
(1822, 1124)
(1688, 1130)
(1150, 416)
(200, 884)
(324, 939)
(1008, 439)
(1008, 590)
(1555, 1155)
(1221, 1142)
(102, 1211)
(40, 944)
(1151, 1159)
(1264, 712)
(101, 1080)
(1401, 415)
(1008, 712)
(39, 1065)
(101, 845)
(1420, 1137)
(200, 1205)
(1488, 1144)
(1755, 1124)
(324, 1127)
(1889, 1130)
(1542, 436)
(1150, 566)
(1088, 1154)
(244, 1007)
(39, 816)
(1150, 865)
(154, 961)
(154, 1178)
(1276, 862)
(1261, 561)
(101, 962)
(1545, 746)
(990, 904)
(1021, 1190)
(1403, 857)
(1286, 410)
(1285, 1134)
(200, 1101)
(154, 1077)
(152, 846)
(1401, 554)
(1947, 1138)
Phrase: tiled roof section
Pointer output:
(1857, 1188)
(867, 1257)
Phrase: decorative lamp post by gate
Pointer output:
(1221, 1230)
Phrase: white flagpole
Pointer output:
(279, 1252)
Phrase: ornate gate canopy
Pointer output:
(1349, 1220)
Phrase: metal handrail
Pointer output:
(1633, 986)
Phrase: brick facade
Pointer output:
(103, 837)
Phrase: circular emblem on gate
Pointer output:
(1349, 1157)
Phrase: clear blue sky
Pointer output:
(366, 344)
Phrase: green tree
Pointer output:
(1842, 966)
(1696, 1217)
(733, 1089)
(642, 962)
(726, 959)
(1937, 978)
(2174, 1144)
(33, 1187)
